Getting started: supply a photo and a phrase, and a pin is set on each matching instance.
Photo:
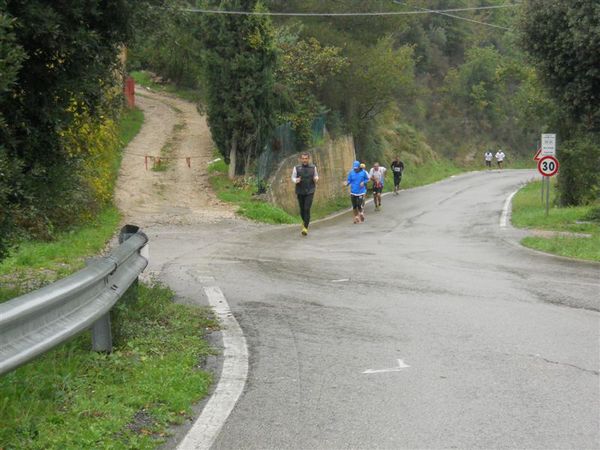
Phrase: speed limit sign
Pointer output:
(548, 166)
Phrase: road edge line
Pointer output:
(506, 209)
(232, 380)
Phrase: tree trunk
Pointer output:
(232, 159)
(247, 163)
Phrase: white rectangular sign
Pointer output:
(548, 145)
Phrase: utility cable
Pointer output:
(444, 13)
(349, 14)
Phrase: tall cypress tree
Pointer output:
(240, 65)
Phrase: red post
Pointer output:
(129, 92)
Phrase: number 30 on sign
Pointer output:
(548, 166)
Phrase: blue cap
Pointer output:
(356, 165)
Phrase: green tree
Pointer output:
(377, 78)
(167, 40)
(563, 39)
(67, 53)
(240, 60)
(303, 67)
(474, 87)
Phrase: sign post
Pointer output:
(537, 158)
(547, 149)
(548, 167)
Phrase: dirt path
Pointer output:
(179, 195)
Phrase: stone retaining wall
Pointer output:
(333, 160)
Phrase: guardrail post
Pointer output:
(101, 329)
(101, 335)
(131, 295)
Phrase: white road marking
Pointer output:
(341, 280)
(231, 383)
(505, 210)
(401, 365)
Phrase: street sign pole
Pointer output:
(548, 167)
(547, 196)
(543, 185)
(536, 158)
(547, 153)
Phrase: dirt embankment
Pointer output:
(175, 130)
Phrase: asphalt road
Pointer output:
(501, 342)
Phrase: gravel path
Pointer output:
(181, 195)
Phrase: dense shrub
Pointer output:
(58, 65)
(579, 179)
(11, 58)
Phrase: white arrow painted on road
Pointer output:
(401, 365)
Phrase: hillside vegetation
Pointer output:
(425, 85)
(449, 81)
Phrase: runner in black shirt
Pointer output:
(397, 169)
(305, 177)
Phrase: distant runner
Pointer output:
(357, 180)
(500, 158)
(305, 177)
(397, 169)
(377, 176)
(488, 159)
(363, 166)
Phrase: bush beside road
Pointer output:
(33, 264)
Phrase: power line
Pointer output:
(443, 13)
(350, 14)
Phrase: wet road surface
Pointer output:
(501, 342)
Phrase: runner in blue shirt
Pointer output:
(357, 180)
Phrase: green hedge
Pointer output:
(579, 179)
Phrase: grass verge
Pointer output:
(130, 125)
(74, 398)
(144, 78)
(37, 263)
(528, 211)
(242, 193)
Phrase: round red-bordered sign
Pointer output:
(548, 166)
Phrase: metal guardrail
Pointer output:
(39, 321)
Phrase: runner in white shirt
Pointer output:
(488, 159)
(500, 158)
(377, 176)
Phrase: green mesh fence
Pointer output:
(283, 143)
